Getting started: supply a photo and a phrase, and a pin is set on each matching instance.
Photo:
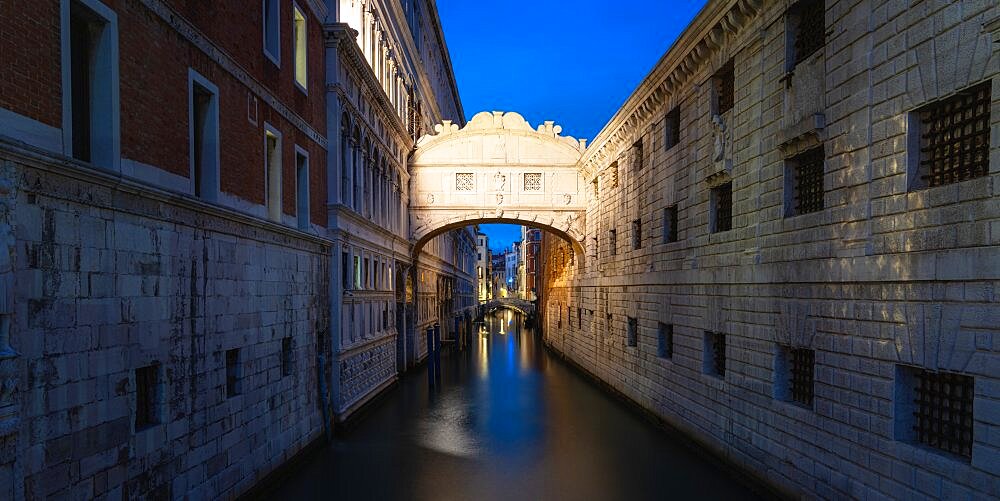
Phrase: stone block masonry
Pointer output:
(112, 277)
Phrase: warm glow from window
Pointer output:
(299, 28)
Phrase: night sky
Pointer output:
(572, 62)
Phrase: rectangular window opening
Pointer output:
(722, 207)
(665, 341)
(302, 188)
(147, 397)
(670, 224)
(950, 139)
(233, 373)
(91, 77)
(672, 128)
(637, 234)
(286, 356)
(272, 31)
(935, 409)
(794, 369)
(804, 182)
(300, 47)
(807, 30)
(272, 169)
(714, 354)
(204, 143)
(613, 242)
(723, 88)
(637, 154)
(632, 332)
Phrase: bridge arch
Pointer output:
(498, 168)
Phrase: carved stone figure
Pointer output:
(499, 199)
(567, 198)
(430, 199)
(719, 138)
(500, 181)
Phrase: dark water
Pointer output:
(506, 422)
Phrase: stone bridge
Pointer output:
(519, 305)
(497, 169)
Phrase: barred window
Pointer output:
(147, 396)
(804, 182)
(722, 207)
(722, 86)
(464, 181)
(665, 341)
(632, 332)
(714, 354)
(806, 19)
(794, 375)
(637, 234)
(533, 181)
(613, 242)
(936, 409)
(670, 224)
(954, 140)
(233, 372)
(672, 128)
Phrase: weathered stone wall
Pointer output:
(112, 276)
(883, 277)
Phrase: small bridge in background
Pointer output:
(524, 307)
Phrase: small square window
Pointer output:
(804, 182)
(794, 368)
(637, 234)
(714, 354)
(465, 181)
(147, 396)
(665, 341)
(672, 128)
(935, 409)
(533, 181)
(723, 83)
(670, 224)
(950, 139)
(233, 373)
(632, 332)
(722, 207)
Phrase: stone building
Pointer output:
(484, 268)
(207, 244)
(792, 246)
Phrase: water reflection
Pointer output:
(505, 423)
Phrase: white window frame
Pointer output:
(303, 64)
(210, 180)
(105, 109)
(275, 57)
(272, 184)
(302, 204)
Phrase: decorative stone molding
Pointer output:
(802, 135)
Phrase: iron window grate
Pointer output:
(637, 234)
(613, 242)
(809, 180)
(802, 362)
(632, 332)
(811, 33)
(724, 82)
(672, 128)
(724, 207)
(955, 139)
(943, 411)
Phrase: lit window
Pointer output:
(300, 47)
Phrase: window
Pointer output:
(722, 207)
(357, 272)
(637, 234)
(465, 181)
(950, 139)
(804, 182)
(533, 181)
(300, 47)
(665, 340)
(233, 373)
(286, 356)
(722, 89)
(672, 128)
(365, 282)
(806, 30)
(272, 169)
(302, 188)
(613, 242)
(272, 31)
(147, 396)
(935, 409)
(596, 189)
(345, 271)
(203, 130)
(714, 354)
(793, 371)
(579, 317)
(90, 73)
(637, 155)
(632, 333)
(670, 224)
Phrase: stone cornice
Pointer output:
(187, 31)
(446, 58)
(718, 21)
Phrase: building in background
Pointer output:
(484, 267)
(532, 243)
(499, 275)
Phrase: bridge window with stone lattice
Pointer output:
(465, 181)
(533, 181)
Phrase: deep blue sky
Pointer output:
(572, 62)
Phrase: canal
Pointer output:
(506, 421)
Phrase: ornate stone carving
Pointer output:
(499, 181)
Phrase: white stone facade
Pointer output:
(885, 279)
